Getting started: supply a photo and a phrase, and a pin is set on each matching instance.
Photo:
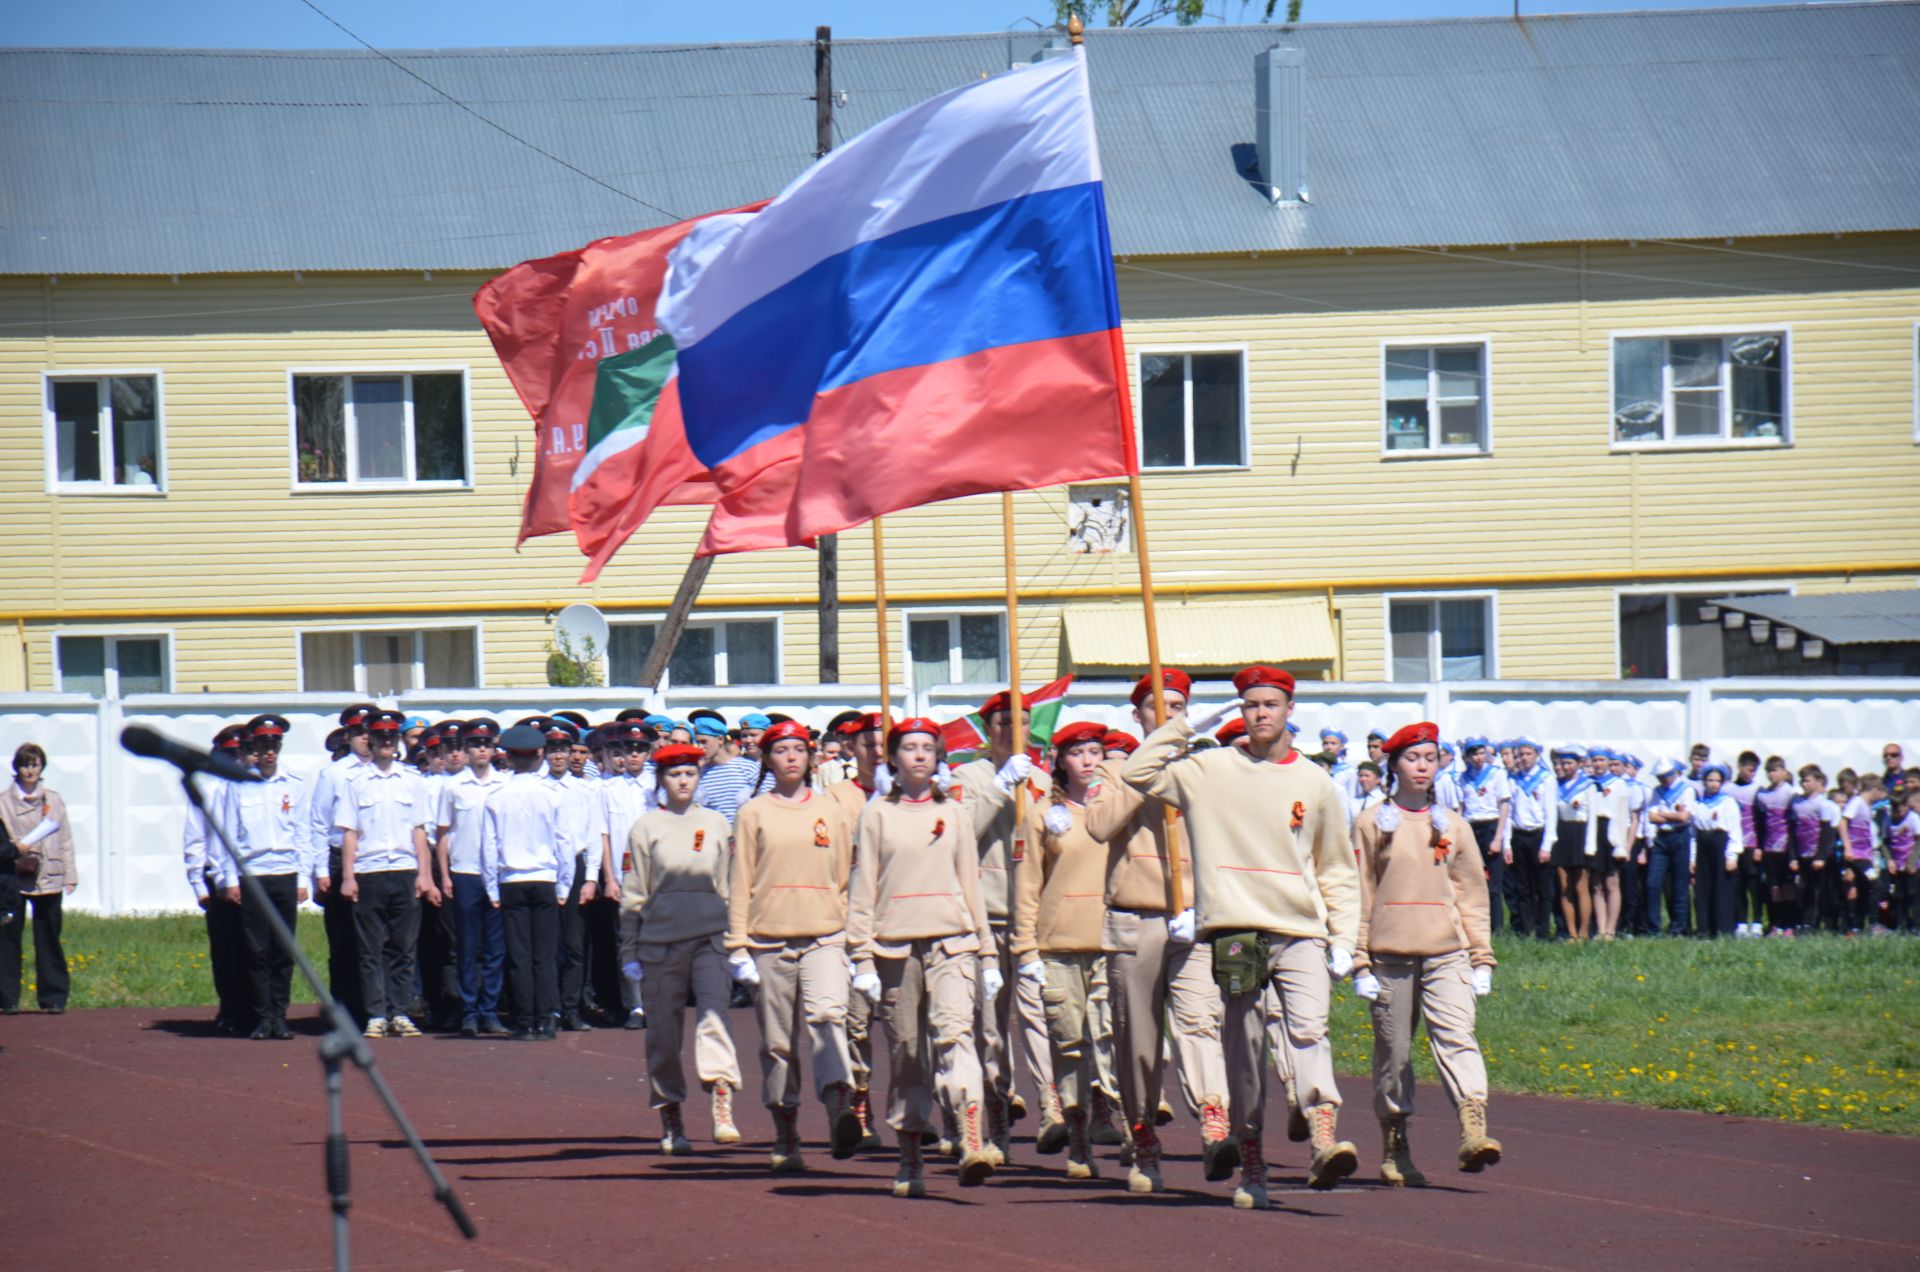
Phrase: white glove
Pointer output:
(1482, 981)
(46, 827)
(1036, 972)
(633, 972)
(1058, 820)
(869, 985)
(740, 967)
(1180, 927)
(852, 971)
(1213, 719)
(1013, 772)
(882, 780)
(1339, 961)
(992, 980)
(1367, 985)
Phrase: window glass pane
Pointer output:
(1643, 637)
(1463, 640)
(76, 429)
(1460, 424)
(1707, 649)
(929, 647)
(388, 660)
(1637, 410)
(439, 434)
(1407, 373)
(628, 645)
(447, 659)
(1696, 363)
(692, 661)
(1411, 626)
(979, 649)
(1407, 424)
(326, 662)
(1163, 406)
(141, 665)
(1459, 372)
(751, 654)
(136, 431)
(83, 665)
(1216, 408)
(320, 433)
(1759, 408)
(1696, 413)
(380, 427)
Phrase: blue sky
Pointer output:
(482, 23)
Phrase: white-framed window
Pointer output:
(731, 651)
(103, 432)
(1664, 635)
(378, 662)
(966, 647)
(1440, 636)
(355, 429)
(1701, 389)
(1193, 409)
(1435, 398)
(113, 666)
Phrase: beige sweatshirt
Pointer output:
(676, 883)
(1059, 888)
(1419, 898)
(790, 866)
(990, 810)
(1253, 866)
(852, 797)
(918, 880)
(1134, 828)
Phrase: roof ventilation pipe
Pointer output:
(1280, 122)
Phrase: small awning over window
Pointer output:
(1230, 634)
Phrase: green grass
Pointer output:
(1822, 1029)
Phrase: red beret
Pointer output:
(1231, 729)
(1175, 680)
(1002, 701)
(912, 724)
(1084, 731)
(782, 731)
(1413, 735)
(666, 757)
(853, 728)
(1253, 677)
(1118, 741)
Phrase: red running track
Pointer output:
(137, 1140)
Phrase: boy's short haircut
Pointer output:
(1814, 771)
(1846, 775)
(1748, 757)
(1700, 748)
(1368, 766)
(1775, 762)
(1872, 785)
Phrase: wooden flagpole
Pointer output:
(1017, 703)
(1154, 677)
(880, 621)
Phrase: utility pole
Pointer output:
(829, 545)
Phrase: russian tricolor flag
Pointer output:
(928, 312)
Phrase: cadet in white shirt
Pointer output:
(387, 871)
(480, 950)
(579, 806)
(1671, 861)
(1531, 820)
(329, 786)
(1486, 801)
(526, 861)
(627, 794)
(226, 952)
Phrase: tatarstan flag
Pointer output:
(966, 737)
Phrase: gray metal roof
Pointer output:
(1840, 618)
(1697, 124)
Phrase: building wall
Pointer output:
(231, 561)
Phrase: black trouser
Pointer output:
(270, 968)
(1534, 885)
(1750, 891)
(51, 984)
(1899, 909)
(227, 957)
(572, 946)
(1816, 891)
(603, 953)
(1484, 833)
(1783, 891)
(343, 945)
(530, 921)
(1667, 879)
(386, 919)
(1856, 893)
(1713, 885)
(439, 974)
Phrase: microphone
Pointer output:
(141, 740)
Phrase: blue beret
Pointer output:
(708, 727)
(1467, 744)
(658, 722)
(1331, 732)
(755, 720)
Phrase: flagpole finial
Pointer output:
(1076, 29)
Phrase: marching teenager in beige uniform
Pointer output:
(1425, 950)
(1156, 971)
(1277, 892)
(1059, 908)
(860, 739)
(673, 924)
(922, 949)
(787, 933)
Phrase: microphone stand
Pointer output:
(342, 1043)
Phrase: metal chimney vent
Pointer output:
(1280, 122)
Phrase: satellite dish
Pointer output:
(579, 624)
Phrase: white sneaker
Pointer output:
(376, 1028)
(402, 1027)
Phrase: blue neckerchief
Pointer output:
(1477, 777)
(1581, 782)
(1669, 794)
(1531, 779)
(1715, 798)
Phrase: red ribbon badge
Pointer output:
(1299, 815)
(1441, 847)
(939, 827)
(820, 837)
(699, 837)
